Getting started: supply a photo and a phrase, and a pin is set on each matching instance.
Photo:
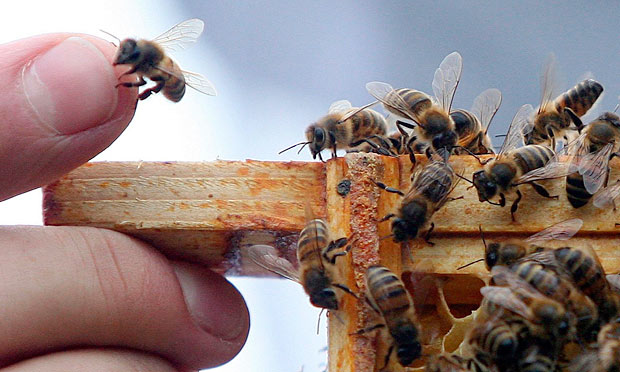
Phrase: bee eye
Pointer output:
(319, 136)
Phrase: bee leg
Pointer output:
(368, 329)
(411, 151)
(387, 217)
(387, 357)
(321, 158)
(147, 92)
(542, 191)
(345, 289)
(131, 84)
(576, 119)
(514, 206)
(132, 70)
(389, 189)
(335, 244)
(427, 236)
(502, 200)
(401, 124)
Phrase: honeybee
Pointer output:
(149, 58)
(517, 166)
(544, 317)
(493, 342)
(584, 268)
(317, 255)
(387, 295)
(510, 251)
(450, 362)
(540, 356)
(605, 357)
(472, 126)
(554, 116)
(343, 126)
(434, 127)
(597, 144)
(429, 191)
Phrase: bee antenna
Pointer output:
(616, 108)
(500, 135)
(302, 147)
(482, 236)
(295, 145)
(109, 34)
(318, 321)
(463, 178)
(469, 264)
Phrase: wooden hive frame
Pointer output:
(210, 212)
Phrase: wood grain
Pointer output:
(211, 212)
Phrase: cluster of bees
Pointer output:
(540, 300)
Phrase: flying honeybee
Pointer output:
(554, 116)
(149, 58)
(434, 126)
(472, 126)
(343, 126)
(317, 255)
(597, 144)
(516, 166)
(429, 191)
(387, 295)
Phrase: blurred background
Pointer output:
(278, 65)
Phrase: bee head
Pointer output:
(485, 186)
(445, 140)
(325, 298)
(491, 255)
(316, 136)
(128, 52)
(409, 348)
(406, 226)
(502, 254)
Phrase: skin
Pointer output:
(79, 298)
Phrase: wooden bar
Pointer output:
(211, 212)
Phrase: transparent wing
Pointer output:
(199, 83)
(355, 110)
(577, 149)
(339, 106)
(546, 258)
(560, 165)
(486, 105)
(604, 199)
(391, 99)
(517, 128)
(506, 298)
(441, 176)
(594, 168)
(447, 78)
(560, 231)
(518, 288)
(548, 82)
(181, 35)
(614, 282)
(267, 257)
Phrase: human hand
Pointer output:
(78, 298)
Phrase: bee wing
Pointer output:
(517, 286)
(355, 110)
(447, 78)
(388, 96)
(560, 165)
(546, 258)
(593, 168)
(548, 82)
(486, 105)
(425, 179)
(518, 128)
(181, 35)
(604, 199)
(560, 231)
(339, 106)
(506, 298)
(267, 257)
(200, 83)
(614, 282)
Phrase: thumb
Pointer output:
(59, 107)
